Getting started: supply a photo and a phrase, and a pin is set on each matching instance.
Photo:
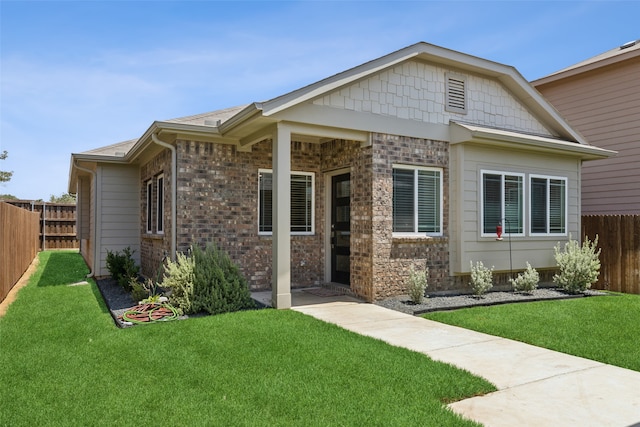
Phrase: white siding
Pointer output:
(467, 244)
(416, 91)
(118, 212)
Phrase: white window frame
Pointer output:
(505, 227)
(416, 233)
(149, 210)
(548, 178)
(160, 204)
(313, 204)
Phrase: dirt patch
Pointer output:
(21, 283)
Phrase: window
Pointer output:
(548, 205)
(455, 94)
(502, 202)
(417, 200)
(160, 204)
(302, 202)
(149, 205)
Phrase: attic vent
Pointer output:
(629, 44)
(456, 94)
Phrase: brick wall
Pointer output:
(218, 202)
(153, 246)
(393, 257)
(218, 199)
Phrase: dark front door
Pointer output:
(340, 228)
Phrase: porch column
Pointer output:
(281, 276)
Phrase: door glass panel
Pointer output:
(343, 213)
(342, 238)
(343, 188)
(342, 263)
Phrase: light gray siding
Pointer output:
(118, 212)
(468, 244)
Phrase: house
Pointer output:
(600, 98)
(412, 159)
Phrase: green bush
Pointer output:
(178, 277)
(206, 280)
(526, 281)
(481, 278)
(417, 284)
(138, 292)
(218, 285)
(579, 265)
(122, 267)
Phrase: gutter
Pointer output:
(95, 213)
(174, 190)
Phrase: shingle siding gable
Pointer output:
(417, 91)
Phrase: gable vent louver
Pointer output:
(456, 94)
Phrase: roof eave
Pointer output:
(461, 133)
(574, 71)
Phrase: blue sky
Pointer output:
(77, 75)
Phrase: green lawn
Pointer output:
(64, 362)
(606, 328)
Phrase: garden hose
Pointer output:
(151, 312)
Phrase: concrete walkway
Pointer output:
(536, 386)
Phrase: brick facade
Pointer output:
(218, 199)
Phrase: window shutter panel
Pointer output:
(492, 202)
(403, 200)
(428, 201)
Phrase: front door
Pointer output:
(340, 228)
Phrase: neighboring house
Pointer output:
(600, 97)
(411, 159)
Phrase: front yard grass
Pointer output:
(64, 362)
(606, 328)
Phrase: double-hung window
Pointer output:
(417, 200)
(160, 204)
(149, 205)
(502, 202)
(548, 205)
(302, 202)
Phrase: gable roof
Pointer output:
(621, 53)
(230, 125)
(506, 74)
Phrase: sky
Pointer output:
(78, 75)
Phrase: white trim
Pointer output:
(313, 204)
(415, 198)
(160, 203)
(566, 204)
(502, 214)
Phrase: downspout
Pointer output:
(174, 190)
(95, 212)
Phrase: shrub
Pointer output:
(138, 292)
(526, 281)
(206, 280)
(122, 267)
(178, 277)
(146, 291)
(218, 286)
(481, 278)
(579, 265)
(417, 284)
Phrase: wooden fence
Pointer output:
(57, 223)
(619, 240)
(19, 241)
